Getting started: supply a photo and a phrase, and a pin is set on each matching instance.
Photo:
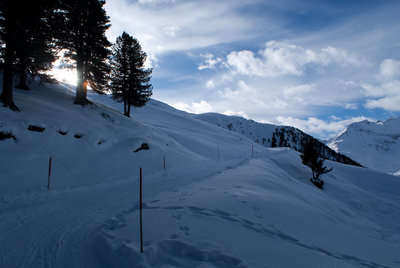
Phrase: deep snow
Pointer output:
(214, 206)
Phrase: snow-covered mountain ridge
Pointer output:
(375, 145)
(272, 136)
(215, 205)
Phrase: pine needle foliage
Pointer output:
(129, 79)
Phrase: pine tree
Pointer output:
(273, 141)
(83, 37)
(27, 41)
(129, 78)
(311, 159)
(35, 47)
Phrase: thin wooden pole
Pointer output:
(164, 163)
(48, 179)
(141, 216)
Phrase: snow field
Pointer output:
(201, 212)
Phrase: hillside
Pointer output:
(272, 136)
(375, 145)
(214, 206)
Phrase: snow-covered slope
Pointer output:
(214, 206)
(375, 145)
(272, 136)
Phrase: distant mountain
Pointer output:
(375, 145)
(270, 135)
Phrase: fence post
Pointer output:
(48, 179)
(141, 217)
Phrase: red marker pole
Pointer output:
(141, 217)
(48, 180)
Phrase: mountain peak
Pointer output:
(375, 145)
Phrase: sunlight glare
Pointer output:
(63, 73)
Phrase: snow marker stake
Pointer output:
(48, 179)
(141, 218)
(252, 151)
(164, 163)
(218, 153)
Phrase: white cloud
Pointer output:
(339, 56)
(244, 62)
(300, 92)
(316, 126)
(388, 103)
(279, 58)
(166, 25)
(385, 92)
(209, 61)
(210, 84)
(155, 1)
(239, 113)
(194, 107)
(389, 69)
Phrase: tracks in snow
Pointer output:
(54, 229)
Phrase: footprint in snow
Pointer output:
(185, 229)
(177, 217)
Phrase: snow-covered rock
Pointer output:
(375, 145)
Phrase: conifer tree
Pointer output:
(130, 80)
(35, 46)
(311, 159)
(83, 37)
(27, 41)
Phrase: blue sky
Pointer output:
(315, 65)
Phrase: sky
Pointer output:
(316, 65)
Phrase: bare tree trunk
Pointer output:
(81, 83)
(7, 93)
(128, 114)
(22, 77)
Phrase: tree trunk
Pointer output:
(22, 76)
(125, 107)
(7, 93)
(81, 83)
(128, 114)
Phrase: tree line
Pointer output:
(33, 33)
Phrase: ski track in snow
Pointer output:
(60, 224)
(266, 230)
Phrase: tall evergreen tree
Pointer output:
(35, 45)
(130, 80)
(84, 38)
(27, 42)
